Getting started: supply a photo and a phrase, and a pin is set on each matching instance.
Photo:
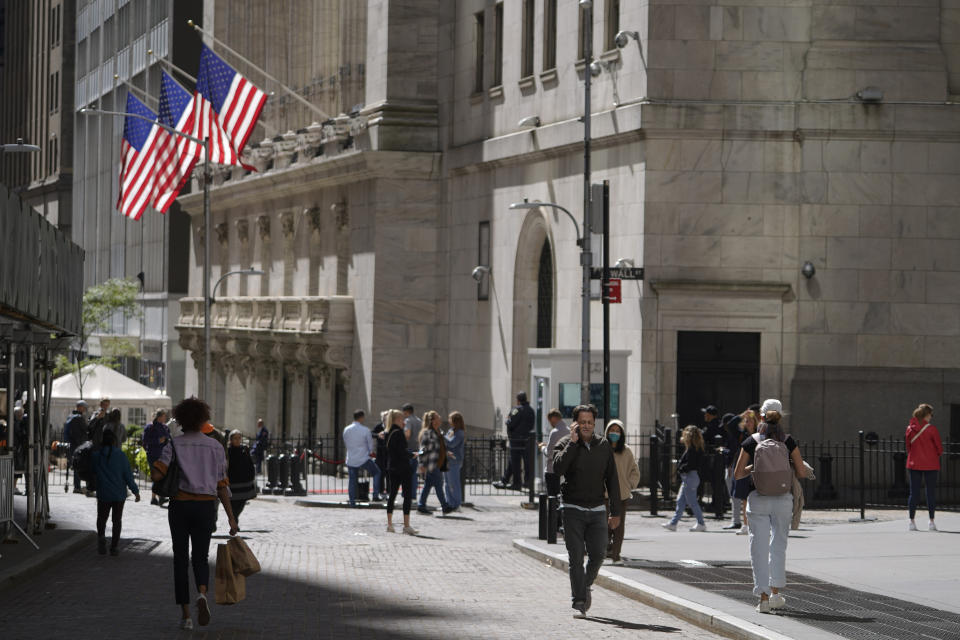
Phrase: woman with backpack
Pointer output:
(688, 468)
(433, 462)
(770, 457)
(113, 477)
(923, 461)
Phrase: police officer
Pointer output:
(75, 433)
(520, 427)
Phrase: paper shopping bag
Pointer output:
(229, 586)
(244, 562)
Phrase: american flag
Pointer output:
(138, 152)
(176, 156)
(228, 97)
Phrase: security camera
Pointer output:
(622, 38)
(479, 271)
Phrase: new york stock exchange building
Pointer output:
(785, 173)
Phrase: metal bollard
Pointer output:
(272, 472)
(544, 515)
(296, 472)
(654, 473)
(283, 473)
(552, 514)
(825, 490)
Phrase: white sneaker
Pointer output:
(698, 527)
(390, 529)
(744, 530)
(777, 601)
(669, 526)
(912, 526)
(931, 526)
(410, 531)
(763, 607)
(187, 624)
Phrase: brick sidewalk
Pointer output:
(328, 573)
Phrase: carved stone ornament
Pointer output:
(263, 227)
(289, 224)
(223, 234)
(314, 216)
(243, 231)
(343, 217)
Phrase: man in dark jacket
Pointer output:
(585, 460)
(75, 433)
(521, 426)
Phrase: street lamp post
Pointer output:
(244, 272)
(207, 177)
(586, 258)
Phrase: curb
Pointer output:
(704, 617)
(45, 558)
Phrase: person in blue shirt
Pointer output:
(358, 441)
(155, 437)
(456, 443)
(113, 478)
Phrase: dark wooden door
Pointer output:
(716, 367)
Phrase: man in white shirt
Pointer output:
(560, 430)
(360, 453)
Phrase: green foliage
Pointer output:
(134, 431)
(137, 456)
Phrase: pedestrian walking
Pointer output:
(361, 450)
(558, 431)
(75, 433)
(261, 444)
(399, 475)
(411, 430)
(155, 437)
(924, 449)
(628, 477)
(456, 441)
(520, 426)
(241, 473)
(688, 468)
(771, 458)
(589, 472)
(731, 451)
(433, 462)
(115, 425)
(380, 440)
(193, 510)
(113, 478)
(749, 421)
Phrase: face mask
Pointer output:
(613, 437)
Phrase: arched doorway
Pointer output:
(533, 296)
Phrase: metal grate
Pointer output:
(845, 612)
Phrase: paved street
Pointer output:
(327, 573)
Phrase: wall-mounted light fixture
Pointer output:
(479, 272)
(529, 121)
(808, 270)
(870, 94)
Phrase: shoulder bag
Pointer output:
(169, 485)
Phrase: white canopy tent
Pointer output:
(137, 402)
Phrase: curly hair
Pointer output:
(192, 413)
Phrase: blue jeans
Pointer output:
(415, 482)
(584, 531)
(451, 482)
(370, 467)
(432, 480)
(735, 502)
(768, 518)
(929, 479)
(687, 496)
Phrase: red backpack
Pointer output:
(772, 474)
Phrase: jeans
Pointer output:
(353, 472)
(451, 483)
(396, 481)
(687, 497)
(735, 502)
(432, 480)
(103, 510)
(414, 476)
(192, 522)
(929, 479)
(584, 531)
(768, 518)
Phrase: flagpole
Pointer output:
(171, 66)
(143, 95)
(205, 392)
(266, 75)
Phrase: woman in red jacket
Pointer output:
(923, 461)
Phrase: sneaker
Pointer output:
(669, 526)
(114, 551)
(203, 611)
(410, 531)
(155, 501)
(77, 490)
(423, 511)
(777, 601)
(588, 601)
(500, 484)
(931, 526)
(390, 529)
(447, 510)
(186, 624)
(699, 527)
(744, 530)
(581, 608)
(102, 546)
(912, 526)
(732, 525)
(763, 607)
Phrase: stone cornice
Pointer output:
(777, 290)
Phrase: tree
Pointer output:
(100, 304)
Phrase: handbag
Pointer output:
(169, 485)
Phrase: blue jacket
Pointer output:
(113, 475)
(456, 443)
(155, 437)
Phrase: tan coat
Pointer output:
(628, 473)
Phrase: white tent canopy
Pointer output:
(137, 402)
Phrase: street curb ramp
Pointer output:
(705, 617)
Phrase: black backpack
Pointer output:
(83, 463)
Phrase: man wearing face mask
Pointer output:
(585, 460)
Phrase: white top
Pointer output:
(359, 443)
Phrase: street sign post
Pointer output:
(612, 294)
(621, 273)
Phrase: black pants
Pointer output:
(103, 510)
(929, 479)
(518, 451)
(192, 522)
(76, 478)
(396, 481)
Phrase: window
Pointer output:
(498, 45)
(582, 34)
(612, 22)
(136, 416)
(53, 91)
(526, 66)
(478, 33)
(54, 26)
(483, 260)
(570, 398)
(549, 34)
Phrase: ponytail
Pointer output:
(922, 411)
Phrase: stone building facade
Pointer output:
(740, 141)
